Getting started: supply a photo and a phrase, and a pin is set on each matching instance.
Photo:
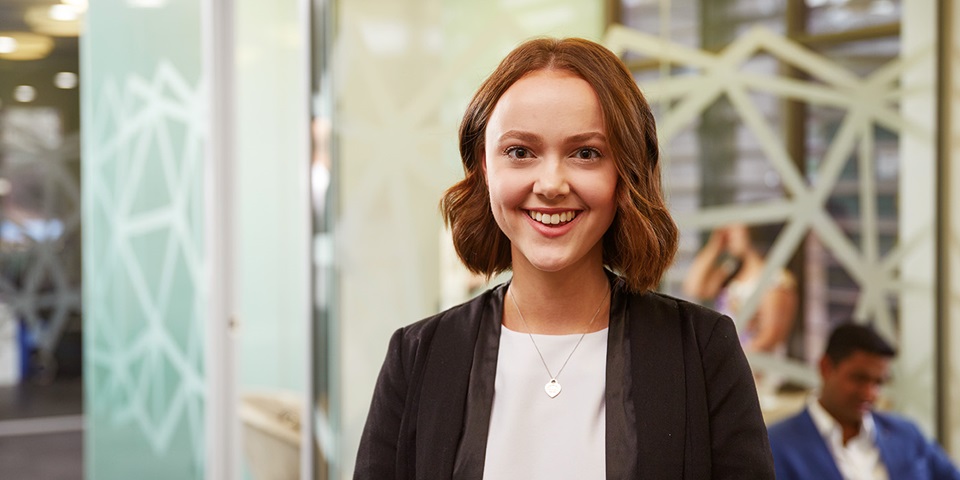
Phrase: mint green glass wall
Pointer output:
(273, 202)
(144, 141)
(271, 223)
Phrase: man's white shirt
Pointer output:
(860, 458)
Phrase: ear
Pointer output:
(826, 366)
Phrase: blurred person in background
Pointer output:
(727, 271)
(840, 435)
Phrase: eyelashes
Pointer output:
(518, 152)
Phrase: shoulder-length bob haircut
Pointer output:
(642, 240)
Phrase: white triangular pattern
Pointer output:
(141, 111)
(805, 210)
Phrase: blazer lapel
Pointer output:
(891, 451)
(444, 392)
(621, 437)
(658, 391)
(821, 464)
(471, 454)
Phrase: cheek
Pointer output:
(506, 187)
(603, 192)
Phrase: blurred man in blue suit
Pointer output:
(839, 436)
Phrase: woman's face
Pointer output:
(550, 172)
(738, 240)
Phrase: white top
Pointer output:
(533, 436)
(860, 458)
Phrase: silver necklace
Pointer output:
(553, 387)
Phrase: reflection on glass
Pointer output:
(40, 238)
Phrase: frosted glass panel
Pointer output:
(143, 147)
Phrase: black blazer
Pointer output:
(680, 401)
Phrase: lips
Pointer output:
(558, 218)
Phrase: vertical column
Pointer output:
(950, 235)
(914, 389)
(272, 225)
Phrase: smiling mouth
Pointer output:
(552, 219)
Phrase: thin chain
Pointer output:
(552, 377)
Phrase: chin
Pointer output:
(549, 267)
(550, 263)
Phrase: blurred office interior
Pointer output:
(213, 214)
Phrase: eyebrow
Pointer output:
(583, 137)
(534, 138)
(521, 135)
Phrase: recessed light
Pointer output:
(24, 93)
(80, 5)
(63, 13)
(8, 44)
(147, 3)
(65, 80)
(29, 46)
(58, 20)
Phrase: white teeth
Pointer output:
(554, 219)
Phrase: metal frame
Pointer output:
(222, 426)
(944, 123)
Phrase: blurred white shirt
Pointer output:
(860, 458)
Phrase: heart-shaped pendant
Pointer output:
(552, 388)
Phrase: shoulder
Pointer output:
(898, 425)
(663, 323)
(661, 303)
(787, 430)
(693, 319)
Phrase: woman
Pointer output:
(568, 370)
(727, 270)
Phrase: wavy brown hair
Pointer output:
(642, 240)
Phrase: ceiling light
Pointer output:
(80, 5)
(58, 20)
(63, 13)
(29, 46)
(24, 93)
(146, 3)
(8, 44)
(65, 80)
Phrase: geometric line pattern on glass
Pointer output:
(867, 101)
(45, 295)
(145, 283)
(41, 244)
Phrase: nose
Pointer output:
(551, 180)
(871, 392)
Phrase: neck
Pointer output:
(752, 264)
(557, 304)
(849, 429)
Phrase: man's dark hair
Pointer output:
(851, 337)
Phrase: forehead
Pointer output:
(864, 362)
(547, 80)
(546, 96)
